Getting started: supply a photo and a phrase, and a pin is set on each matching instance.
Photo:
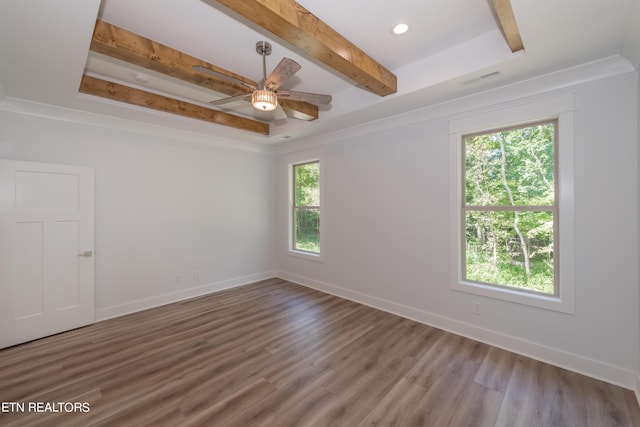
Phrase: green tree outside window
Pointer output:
(306, 207)
(509, 208)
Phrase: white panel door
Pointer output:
(46, 250)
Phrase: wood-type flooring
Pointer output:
(278, 354)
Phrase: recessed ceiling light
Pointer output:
(400, 28)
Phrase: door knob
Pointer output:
(86, 253)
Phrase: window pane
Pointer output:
(513, 249)
(512, 167)
(306, 210)
(307, 229)
(307, 184)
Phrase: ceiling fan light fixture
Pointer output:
(264, 100)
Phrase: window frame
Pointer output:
(292, 250)
(553, 209)
(561, 110)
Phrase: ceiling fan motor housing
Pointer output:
(263, 48)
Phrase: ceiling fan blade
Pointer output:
(311, 98)
(222, 76)
(279, 113)
(229, 99)
(285, 69)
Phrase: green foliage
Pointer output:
(493, 253)
(480, 268)
(307, 202)
(529, 167)
(307, 184)
(508, 175)
(308, 230)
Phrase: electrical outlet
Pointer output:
(196, 275)
(476, 307)
(178, 278)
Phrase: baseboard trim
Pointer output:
(144, 304)
(573, 362)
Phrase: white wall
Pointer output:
(630, 47)
(638, 122)
(164, 206)
(386, 223)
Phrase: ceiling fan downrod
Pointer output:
(264, 99)
(263, 49)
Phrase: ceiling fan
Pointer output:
(265, 96)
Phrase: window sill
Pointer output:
(550, 302)
(306, 255)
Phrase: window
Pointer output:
(509, 208)
(511, 229)
(306, 208)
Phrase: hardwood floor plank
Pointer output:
(446, 356)
(302, 409)
(496, 369)
(478, 407)
(522, 403)
(278, 354)
(564, 401)
(313, 357)
(18, 384)
(444, 395)
(632, 407)
(392, 409)
(355, 399)
(315, 328)
(374, 358)
(274, 407)
(209, 386)
(604, 404)
(221, 410)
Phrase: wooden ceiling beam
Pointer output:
(102, 88)
(296, 25)
(134, 49)
(299, 110)
(130, 47)
(507, 20)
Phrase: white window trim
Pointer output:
(291, 220)
(560, 108)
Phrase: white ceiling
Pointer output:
(44, 50)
